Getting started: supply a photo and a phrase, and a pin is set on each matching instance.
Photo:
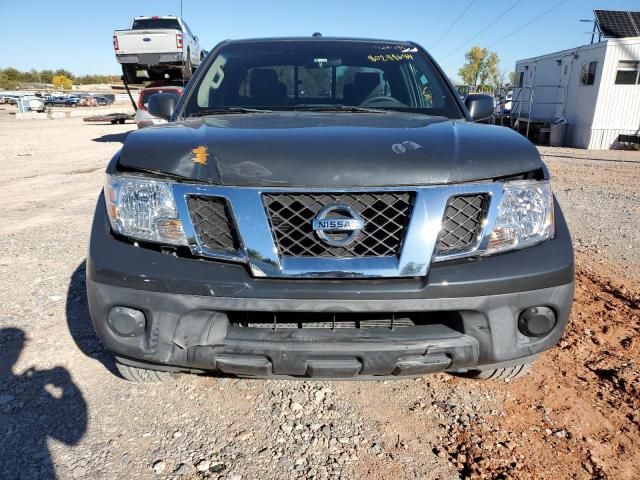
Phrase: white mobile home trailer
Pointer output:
(596, 88)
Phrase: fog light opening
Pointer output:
(126, 322)
(536, 321)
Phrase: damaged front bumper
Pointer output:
(468, 312)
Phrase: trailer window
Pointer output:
(588, 73)
(627, 73)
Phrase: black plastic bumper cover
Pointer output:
(193, 333)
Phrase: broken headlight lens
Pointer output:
(525, 216)
(143, 209)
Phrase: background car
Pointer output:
(72, 102)
(103, 101)
(53, 101)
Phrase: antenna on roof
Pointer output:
(316, 34)
(180, 8)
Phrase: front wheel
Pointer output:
(505, 373)
(143, 375)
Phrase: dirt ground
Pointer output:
(64, 413)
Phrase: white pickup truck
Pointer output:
(158, 45)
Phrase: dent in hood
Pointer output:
(330, 149)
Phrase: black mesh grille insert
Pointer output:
(386, 216)
(341, 320)
(213, 223)
(462, 223)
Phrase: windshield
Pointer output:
(323, 74)
(156, 24)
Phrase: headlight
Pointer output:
(525, 216)
(143, 209)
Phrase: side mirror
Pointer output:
(480, 106)
(162, 105)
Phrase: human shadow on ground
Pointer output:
(35, 405)
(79, 321)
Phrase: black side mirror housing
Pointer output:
(162, 105)
(480, 106)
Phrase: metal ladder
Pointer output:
(529, 103)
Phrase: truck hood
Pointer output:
(329, 150)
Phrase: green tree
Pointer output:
(93, 79)
(6, 82)
(512, 78)
(481, 68)
(46, 76)
(62, 82)
(11, 78)
(31, 76)
(12, 74)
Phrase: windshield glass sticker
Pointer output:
(217, 68)
(321, 62)
(390, 57)
(389, 47)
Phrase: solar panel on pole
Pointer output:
(617, 24)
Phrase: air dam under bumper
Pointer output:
(189, 332)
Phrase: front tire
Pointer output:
(143, 375)
(505, 373)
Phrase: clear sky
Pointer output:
(77, 34)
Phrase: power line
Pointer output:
(489, 25)
(453, 24)
(527, 24)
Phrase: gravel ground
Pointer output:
(599, 193)
(63, 412)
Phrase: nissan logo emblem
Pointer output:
(334, 221)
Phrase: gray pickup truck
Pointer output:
(327, 207)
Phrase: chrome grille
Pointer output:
(386, 216)
(213, 223)
(462, 223)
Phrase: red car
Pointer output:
(143, 117)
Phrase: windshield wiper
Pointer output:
(338, 107)
(226, 110)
